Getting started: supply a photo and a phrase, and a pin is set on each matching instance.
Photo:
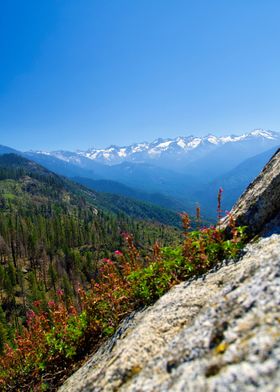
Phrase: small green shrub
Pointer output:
(201, 250)
(64, 338)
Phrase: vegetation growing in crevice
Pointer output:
(57, 333)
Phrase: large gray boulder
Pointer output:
(216, 333)
(260, 203)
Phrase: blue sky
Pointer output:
(76, 74)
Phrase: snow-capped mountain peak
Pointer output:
(168, 149)
(265, 134)
(212, 139)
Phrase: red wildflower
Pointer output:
(108, 261)
(37, 303)
(118, 253)
(126, 236)
(30, 316)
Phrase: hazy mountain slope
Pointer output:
(118, 188)
(176, 170)
(7, 150)
(93, 180)
(228, 156)
(175, 167)
(126, 172)
(137, 209)
(113, 203)
(233, 183)
(63, 167)
(150, 178)
(146, 178)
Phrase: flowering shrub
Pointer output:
(57, 334)
(200, 251)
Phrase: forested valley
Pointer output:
(53, 235)
(74, 263)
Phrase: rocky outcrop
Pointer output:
(217, 333)
(220, 332)
(260, 203)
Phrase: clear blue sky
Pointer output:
(81, 73)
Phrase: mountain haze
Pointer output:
(100, 201)
(118, 188)
(171, 152)
(235, 181)
(174, 173)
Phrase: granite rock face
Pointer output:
(260, 203)
(216, 333)
(220, 332)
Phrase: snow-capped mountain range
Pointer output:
(178, 149)
(168, 172)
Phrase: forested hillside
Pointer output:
(70, 271)
(118, 188)
(52, 234)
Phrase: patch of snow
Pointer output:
(90, 154)
(122, 152)
(213, 139)
(262, 133)
(228, 139)
(140, 147)
(164, 145)
(194, 143)
(181, 143)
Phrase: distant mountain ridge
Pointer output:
(180, 148)
(7, 150)
(174, 173)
